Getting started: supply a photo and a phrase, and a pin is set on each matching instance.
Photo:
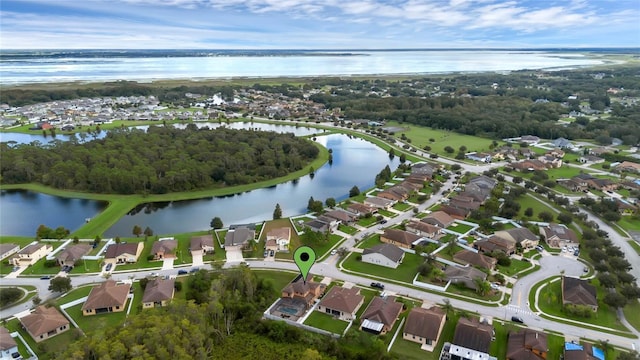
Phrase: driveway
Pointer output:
(197, 260)
(234, 256)
(167, 263)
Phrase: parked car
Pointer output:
(182, 272)
(334, 251)
(272, 253)
(517, 319)
(539, 248)
(576, 253)
(194, 270)
(383, 221)
(67, 268)
(108, 268)
(377, 285)
(45, 277)
(265, 254)
(495, 286)
(154, 274)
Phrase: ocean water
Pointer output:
(38, 67)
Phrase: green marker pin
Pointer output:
(304, 257)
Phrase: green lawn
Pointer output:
(405, 272)
(528, 201)
(515, 267)
(46, 349)
(632, 314)
(460, 228)
(629, 223)
(326, 322)
(635, 246)
(402, 206)
(347, 229)
(367, 222)
(387, 213)
(370, 241)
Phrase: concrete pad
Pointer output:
(235, 256)
(197, 260)
(167, 264)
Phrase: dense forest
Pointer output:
(160, 160)
(220, 320)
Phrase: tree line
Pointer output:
(160, 160)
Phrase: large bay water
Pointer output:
(71, 66)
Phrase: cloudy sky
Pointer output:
(317, 24)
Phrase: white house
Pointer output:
(8, 249)
(8, 346)
(384, 255)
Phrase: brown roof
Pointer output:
(341, 215)
(401, 236)
(30, 249)
(279, 233)
(473, 258)
(115, 250)
(424, 322)
(199, 242)
(390, 251)
(561, 232)
(495, 243)
(106, 295)
(6, 341)
(158, 290)
(518, 234)
(164, 246)
(239, 236)
(301, 287)
(42, 320)
(342, 299)
(360, 208)
(520, 345)
(455, 211)
(473, 335)
(423, 226)
(383, 310)
(437, 218)
(578, 291)
(74, 253)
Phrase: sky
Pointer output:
(317, 24)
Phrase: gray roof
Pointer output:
(389, 251)
(239, 236)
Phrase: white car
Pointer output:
(334, 251)
(495, 286)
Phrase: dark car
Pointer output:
(517, 319)
(108, 268)
(45, 277)
(383, 221)
(182, 272)
(194, 270)
(377, 285)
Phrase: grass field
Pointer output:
(635, 246)
(629, 223)
(405, 272)
(420, 136)
(326, 322)
(632, 314)
(515, 267)
(460, 228)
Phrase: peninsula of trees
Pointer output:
(160, 160)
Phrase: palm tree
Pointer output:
(447, 307)
(482, 287)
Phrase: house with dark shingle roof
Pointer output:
(387, 255)
(494, 243)
(341, 302)
(123, 253)
(305, 291)
(201, 245)
(105, 298)
(527, 344)
(424, 326)
(424, 229)
(556, 235)
(423, 169)
(468, 257)
(73, 253)
(239, 239)
(158, 292)
(361, 209)
(343, 216)
(522, 236)
(44, 323)
(381, 314)
(464, 275)
(470, 339)
(164, 249)
(8, 346)
(399, 238)
(578, 292)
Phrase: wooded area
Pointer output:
(160, 160)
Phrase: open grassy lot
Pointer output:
(367, 222)
(530, 202)
(515, 267)
(420, 136)
(347, 229)
(460, 228)
(402, 206)
(635, 246)
(405, 272)
(629, 223)
(370, 241)
(326, 322)
(387, 213)
(632, 314)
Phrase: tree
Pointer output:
(277, 212)
(517, 179)
(216, 223)
(60, 284)
(118, 240)
(630, 355)
(137, 230)
(354, 191)
(447, 307)
(615, 300)
(449, 149)
(330, 202)
(528, 212)
(545, 216)
(403, 158)
(565, 218)
(76, 239)
(36, 300)
(148, 232)
(97, 240)
(342, 252)
(607, 280)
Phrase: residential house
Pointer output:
(105, 298)
(424, 326)
(44, 322)
(341, 302)
(467, 203)
(241, 238)
(438, 218)
(424, 229)
(530, 139)
(464, 275)
(30, 254)
(527, 153)
(423, 169)
(8, 249)
(317, 226)
(121, 253)
(494, 243)
(278, 239)
(378, 202)
(557, 236)
(550, 161)
(468, 257)
(158, 292)
(395, 193)
(590, 159)
(528, 165)
(8, 346)
(471, 340)
(381, 314)
(625, 207)
(399, 238)
(361, 209)
(602, 184)
(578, 292)
(628, 166)
(305, 291)
(527, 344)
(557, 153)
(201, 245)
(522, 236)
(164, 249)
(418, 179)
(342, 216)
(562, 143)
(573, 184)
(582, 351)
(73, 253)
(387, 255)
(481, 157)
(455, 212)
